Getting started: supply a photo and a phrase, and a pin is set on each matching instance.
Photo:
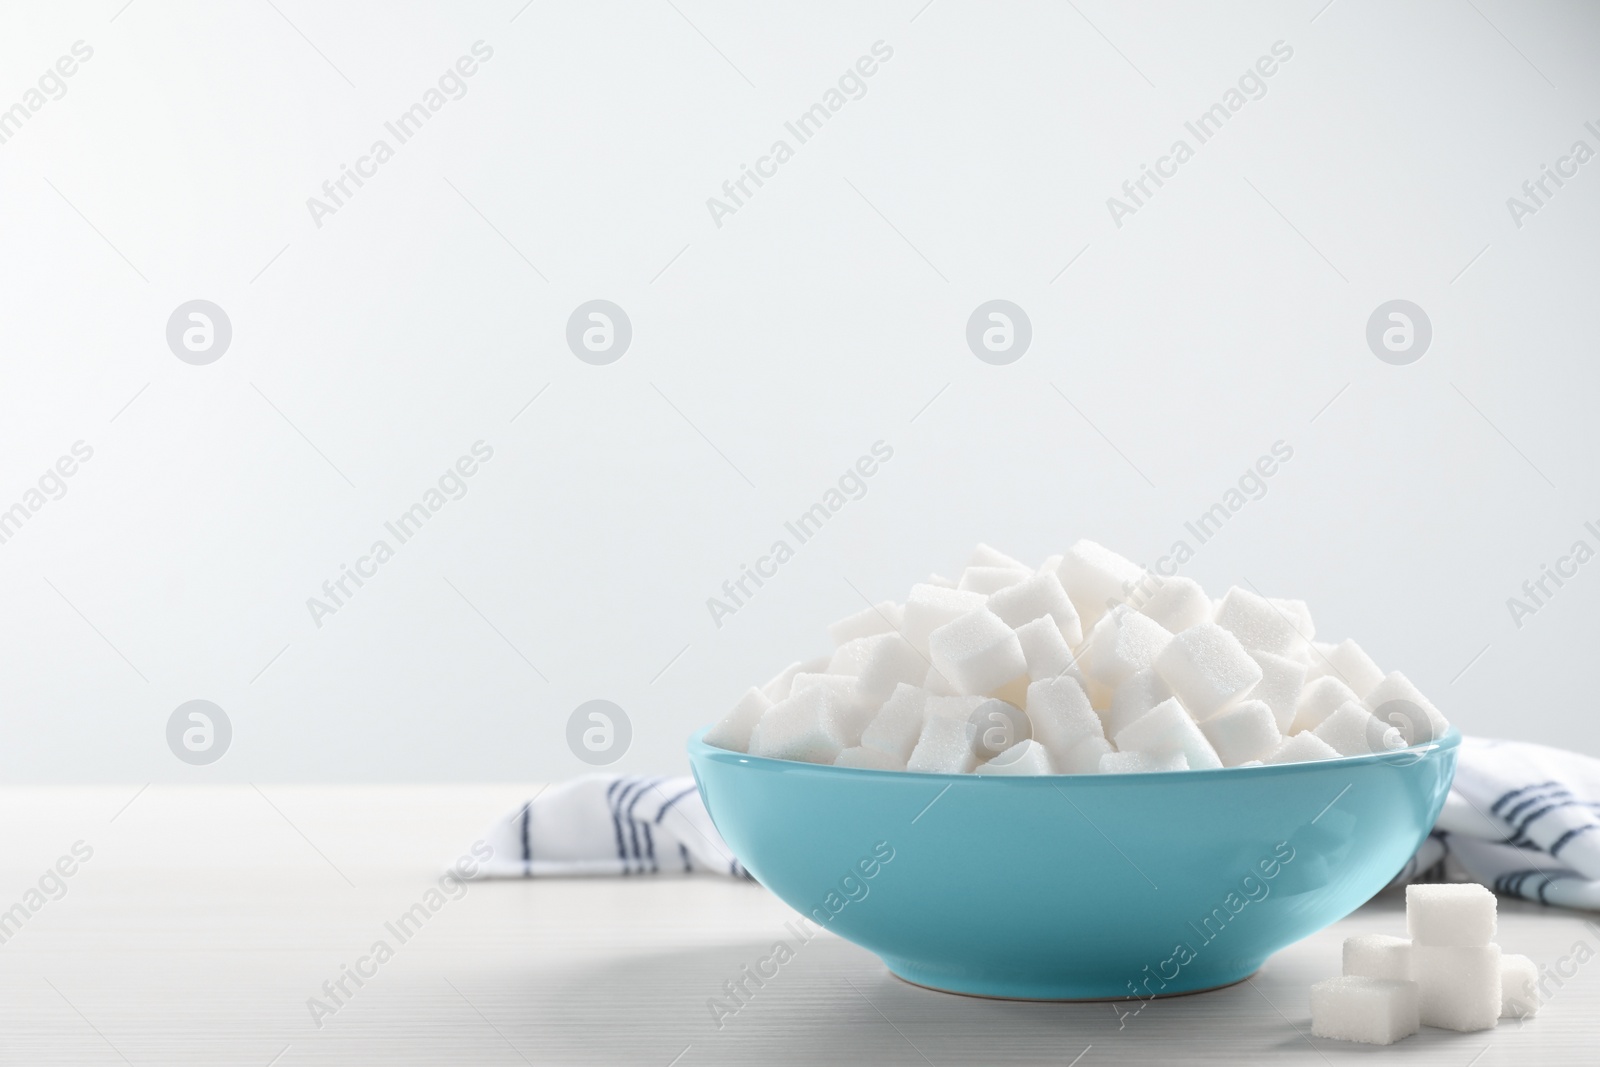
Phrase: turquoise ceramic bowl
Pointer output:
(1069, 887)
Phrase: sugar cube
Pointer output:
(879, 663)
(1060, 716)
(997, 726)
(1396, 701)
(1177, 604)
(1084, 757)
(1451, 915)
(989, 580)
(1050, 565)
(1282, 678)
(1044, 650)
(1460, 987)
(1302, 748)
(1142, 762)
(1519, 987)
(1207, 668)
(868, 759)
(937, 684)
(929, 607)
(733, 732)
(952, 707)
(1034, 597)
(1165, 729)
(987, 556)
(898, 724)
(1096, 577)
(1375, 1011)
(1347, 662)
(1351, 730)
(880, 618)
(977, 652)
(1256, 622)
(945, 746)
(1299, 615)
(1244, 731)
(1142, 691)
(1014, 692)
(1024, 757)
(813, 725)
(779, 687)
(1120, 644)
(1317, 701)
(1378, 956)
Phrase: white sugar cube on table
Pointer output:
(1167, 729)
(1374, 1011)
(1120, 645)
(1024, 757)
(1096, 577)
(1207, 668)
(1460, 987)
(732, 732)
(1243, 732)
(1038, 596)
(977, 652)
(1177, 604)
(1519, 987)
(1256, 622)
(1377, 956)
(1450, 915)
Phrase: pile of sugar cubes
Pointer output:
(1086, 664)
(1448, 974)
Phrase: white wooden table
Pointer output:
(207, 917)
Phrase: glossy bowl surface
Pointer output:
(1067, 887)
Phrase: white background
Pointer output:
(768, 354)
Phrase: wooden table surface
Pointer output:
(207, 918)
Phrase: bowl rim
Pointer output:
(699, 749)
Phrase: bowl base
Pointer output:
(1054, 997)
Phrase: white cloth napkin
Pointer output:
(1521, 819)
(609, 824)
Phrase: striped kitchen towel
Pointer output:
(1522, 819)
(607, 824)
